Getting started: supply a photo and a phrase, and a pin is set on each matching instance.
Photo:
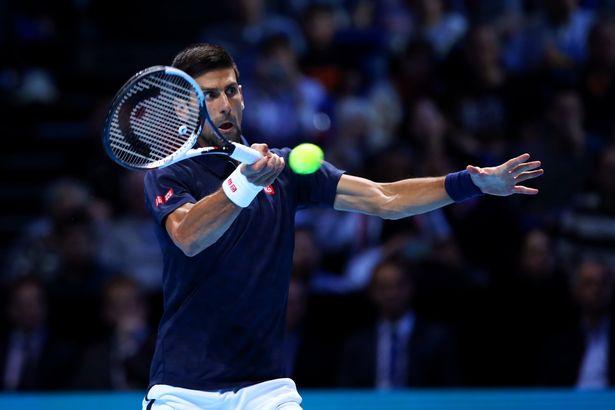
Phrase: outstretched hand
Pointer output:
(503, 179)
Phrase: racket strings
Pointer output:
(160, 118)
(155, 122)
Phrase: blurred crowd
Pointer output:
(493, 291)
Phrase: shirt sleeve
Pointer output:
(165, 191)
(318, 188)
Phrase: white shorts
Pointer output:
(269, 395)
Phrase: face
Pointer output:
(123, 302)
(592, 288)
(224, 102)
(295, 310)
(537, 257)
(390, 291)
(27, 308)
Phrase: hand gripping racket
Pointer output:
(156, 118)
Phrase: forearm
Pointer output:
(391, 200)
(195, 227)
(414, 196)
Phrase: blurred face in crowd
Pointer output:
(295, 310)
(559, 10)
(224, 101)
(320, 26)
(428, 11)
(483, 47)
(390, 291)
(606, 174)
(601, 44)
(306, 255)
(65, 197)
(537, 257)
(124, 306)
(427, 124)
(566, 115)
(277, 67)
(592, 288)
(76, 245)
(248, 11)
(133, 181)
(27, 309)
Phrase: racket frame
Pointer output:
(232, 149)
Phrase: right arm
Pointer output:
(194, 227)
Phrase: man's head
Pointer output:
(592, 284)
(390, 289)
(216, 73)
(27, 307)
(124, 305)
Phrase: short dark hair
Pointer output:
(201, 58)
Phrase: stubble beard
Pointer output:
(209, 138)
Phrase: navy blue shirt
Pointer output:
(225, 308)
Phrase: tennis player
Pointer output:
(226, 233)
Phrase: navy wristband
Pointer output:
(459, 186)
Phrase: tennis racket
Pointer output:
(156, 118)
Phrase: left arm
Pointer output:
(391, 200)
(419, 195)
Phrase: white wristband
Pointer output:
(239, 190)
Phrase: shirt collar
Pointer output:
(403, 325)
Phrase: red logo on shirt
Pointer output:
(160, 199)
(269, 190)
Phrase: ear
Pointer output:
(243, 106)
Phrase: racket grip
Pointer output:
(245, 154)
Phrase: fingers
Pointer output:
(264, 171)
(275, 165)
(262, 148)
(529, 175)
(521, 168)
(520, 189)
(512, 163)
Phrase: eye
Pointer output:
(211, 95)
(231, 90)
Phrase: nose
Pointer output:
(224, 104)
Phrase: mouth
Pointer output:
(226, 127)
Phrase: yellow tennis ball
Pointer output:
(305, 158)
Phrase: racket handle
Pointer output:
(245, 154)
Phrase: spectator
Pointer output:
(34, 252)
(248, 23)
(586, 227)
(561, 144)
(311, 355)
(285, 103)
(441, 29)
(479, 96)
(555, 39)
(322, 59)
(32, 357)
(522, 328)
(582, 354)
(122, 360)
(128, 242)
(598, 82)
(74, 290)
(402, 348)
